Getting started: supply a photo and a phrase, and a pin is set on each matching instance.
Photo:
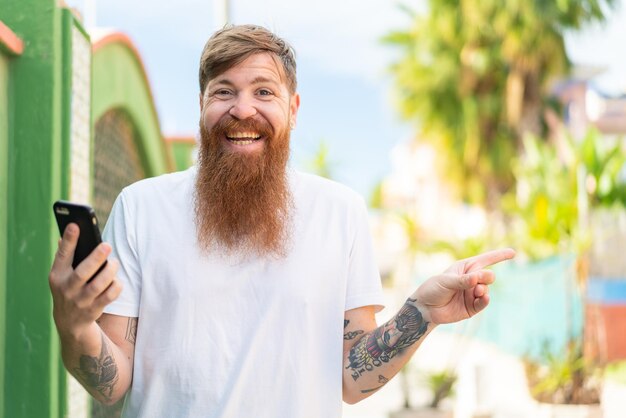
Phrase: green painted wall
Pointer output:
(119, 82)
(183, 154)
(31, 361)
(4, 148)
(35, 108)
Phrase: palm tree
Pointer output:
(474, 74)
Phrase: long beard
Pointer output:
(242, 200)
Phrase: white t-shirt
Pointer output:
(231, 338)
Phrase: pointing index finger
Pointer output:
(489, 258)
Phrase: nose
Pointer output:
(243, 108)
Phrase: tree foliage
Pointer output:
(320, 162)
(544, 210)
(474, 76)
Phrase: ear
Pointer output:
(294, 105)
(201, 104)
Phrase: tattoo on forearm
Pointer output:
(99, 373)
(131, 330)
(381, 379)
(387, 341)
(352, 334)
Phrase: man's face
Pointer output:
(242, 198)
(253, 91)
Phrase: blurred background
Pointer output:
(467, 126)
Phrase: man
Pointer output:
(240, 276)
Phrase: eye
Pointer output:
(265, 92)
(221, 92)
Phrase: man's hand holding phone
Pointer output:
(79, 297)
(82, 283)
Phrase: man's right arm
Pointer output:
(97, 349)
(99, 360)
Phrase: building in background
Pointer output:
(585, 107)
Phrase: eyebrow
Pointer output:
(256, 80)
(261, 80)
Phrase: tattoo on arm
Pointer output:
(99, 373)
(352, 334)
(387, 341)
(131, 330)
(381, 379)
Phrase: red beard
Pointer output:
(242, 200)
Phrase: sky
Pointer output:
(343, 78)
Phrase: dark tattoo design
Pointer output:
(131, 330)
(381, 379)
(99, 373)
(352, 334)
(345, 323)
(387, 341)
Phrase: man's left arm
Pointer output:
(373, 355)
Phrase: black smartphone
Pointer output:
(85, 217)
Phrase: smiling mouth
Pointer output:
(243, 138)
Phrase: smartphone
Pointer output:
(85, 217)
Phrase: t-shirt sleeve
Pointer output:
(363, 285)
(123, 242)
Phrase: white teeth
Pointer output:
(240, 142)
(252, 135)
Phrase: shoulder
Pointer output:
(157, 195)
(160, 186)
(148, 202)
(319, 188)
(163, 181)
